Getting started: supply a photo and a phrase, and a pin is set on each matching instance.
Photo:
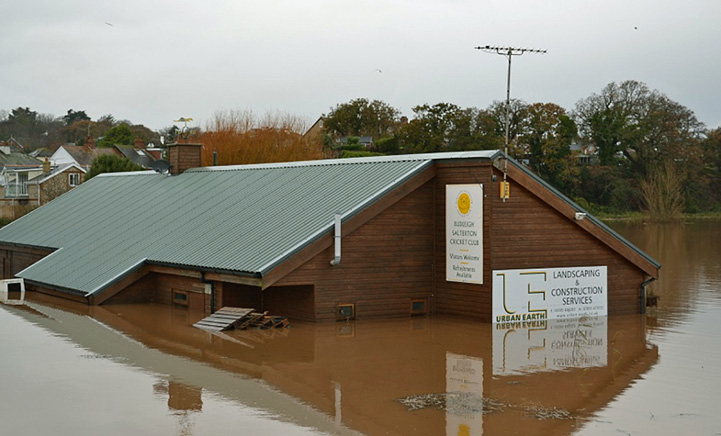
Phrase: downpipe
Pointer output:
(336, 258)
(643, 293)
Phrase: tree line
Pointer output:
(626, 148)
(34, 130)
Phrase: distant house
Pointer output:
(323, 240)
(79, 155)
(26, 186)
(12, 156)
(41, 153)
(84, 155)
(13, 143)
(585, 153)
(363, 141)
(315, 130)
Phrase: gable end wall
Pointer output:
(529, 233)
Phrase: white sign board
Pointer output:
(549, 293)
(549, 345)
(464, 233)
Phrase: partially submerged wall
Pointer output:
(385, 264)
(15, 258)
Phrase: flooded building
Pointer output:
(465, 233)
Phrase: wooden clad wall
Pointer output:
(141, 291)
(159, 288)
(385, 264)
(236, 295)
(14, 259)
(296, 302)
(529, 233)
(453, 298)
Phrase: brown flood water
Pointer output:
(143, 369)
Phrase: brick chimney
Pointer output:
(89, 142)
(139, 143)
(183, 156)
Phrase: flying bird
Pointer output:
(379, 70)
(108, 24)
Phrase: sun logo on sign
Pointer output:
(464, 203)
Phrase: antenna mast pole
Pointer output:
(508, 52)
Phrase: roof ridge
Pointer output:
(488, 154)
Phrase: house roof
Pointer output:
(242, 220)
(136, 155)
(83, 155)
(59, 169)
(17, 159)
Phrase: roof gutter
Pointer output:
(62, 289)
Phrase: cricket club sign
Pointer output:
(549, 293)
(464, 233)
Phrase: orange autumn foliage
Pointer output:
(239, 137)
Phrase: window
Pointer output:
(16, 184)
(180, 298)
(74, 179)
(418, 307)
(344, 312)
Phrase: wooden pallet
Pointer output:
(240, 318)
(224, 319)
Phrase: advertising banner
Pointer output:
(549, 293)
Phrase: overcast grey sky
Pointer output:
(153, 61)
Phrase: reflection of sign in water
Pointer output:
(549, 345)
(549, 293)
(464, 386)
(464, 233)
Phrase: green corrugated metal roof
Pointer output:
(243, 219)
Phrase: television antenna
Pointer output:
(508, 52)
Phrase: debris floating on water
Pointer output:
(542, 413)
(467, 403)
(458, 403)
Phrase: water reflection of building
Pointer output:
(183, 401)
(356, 372)
(549, 345)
